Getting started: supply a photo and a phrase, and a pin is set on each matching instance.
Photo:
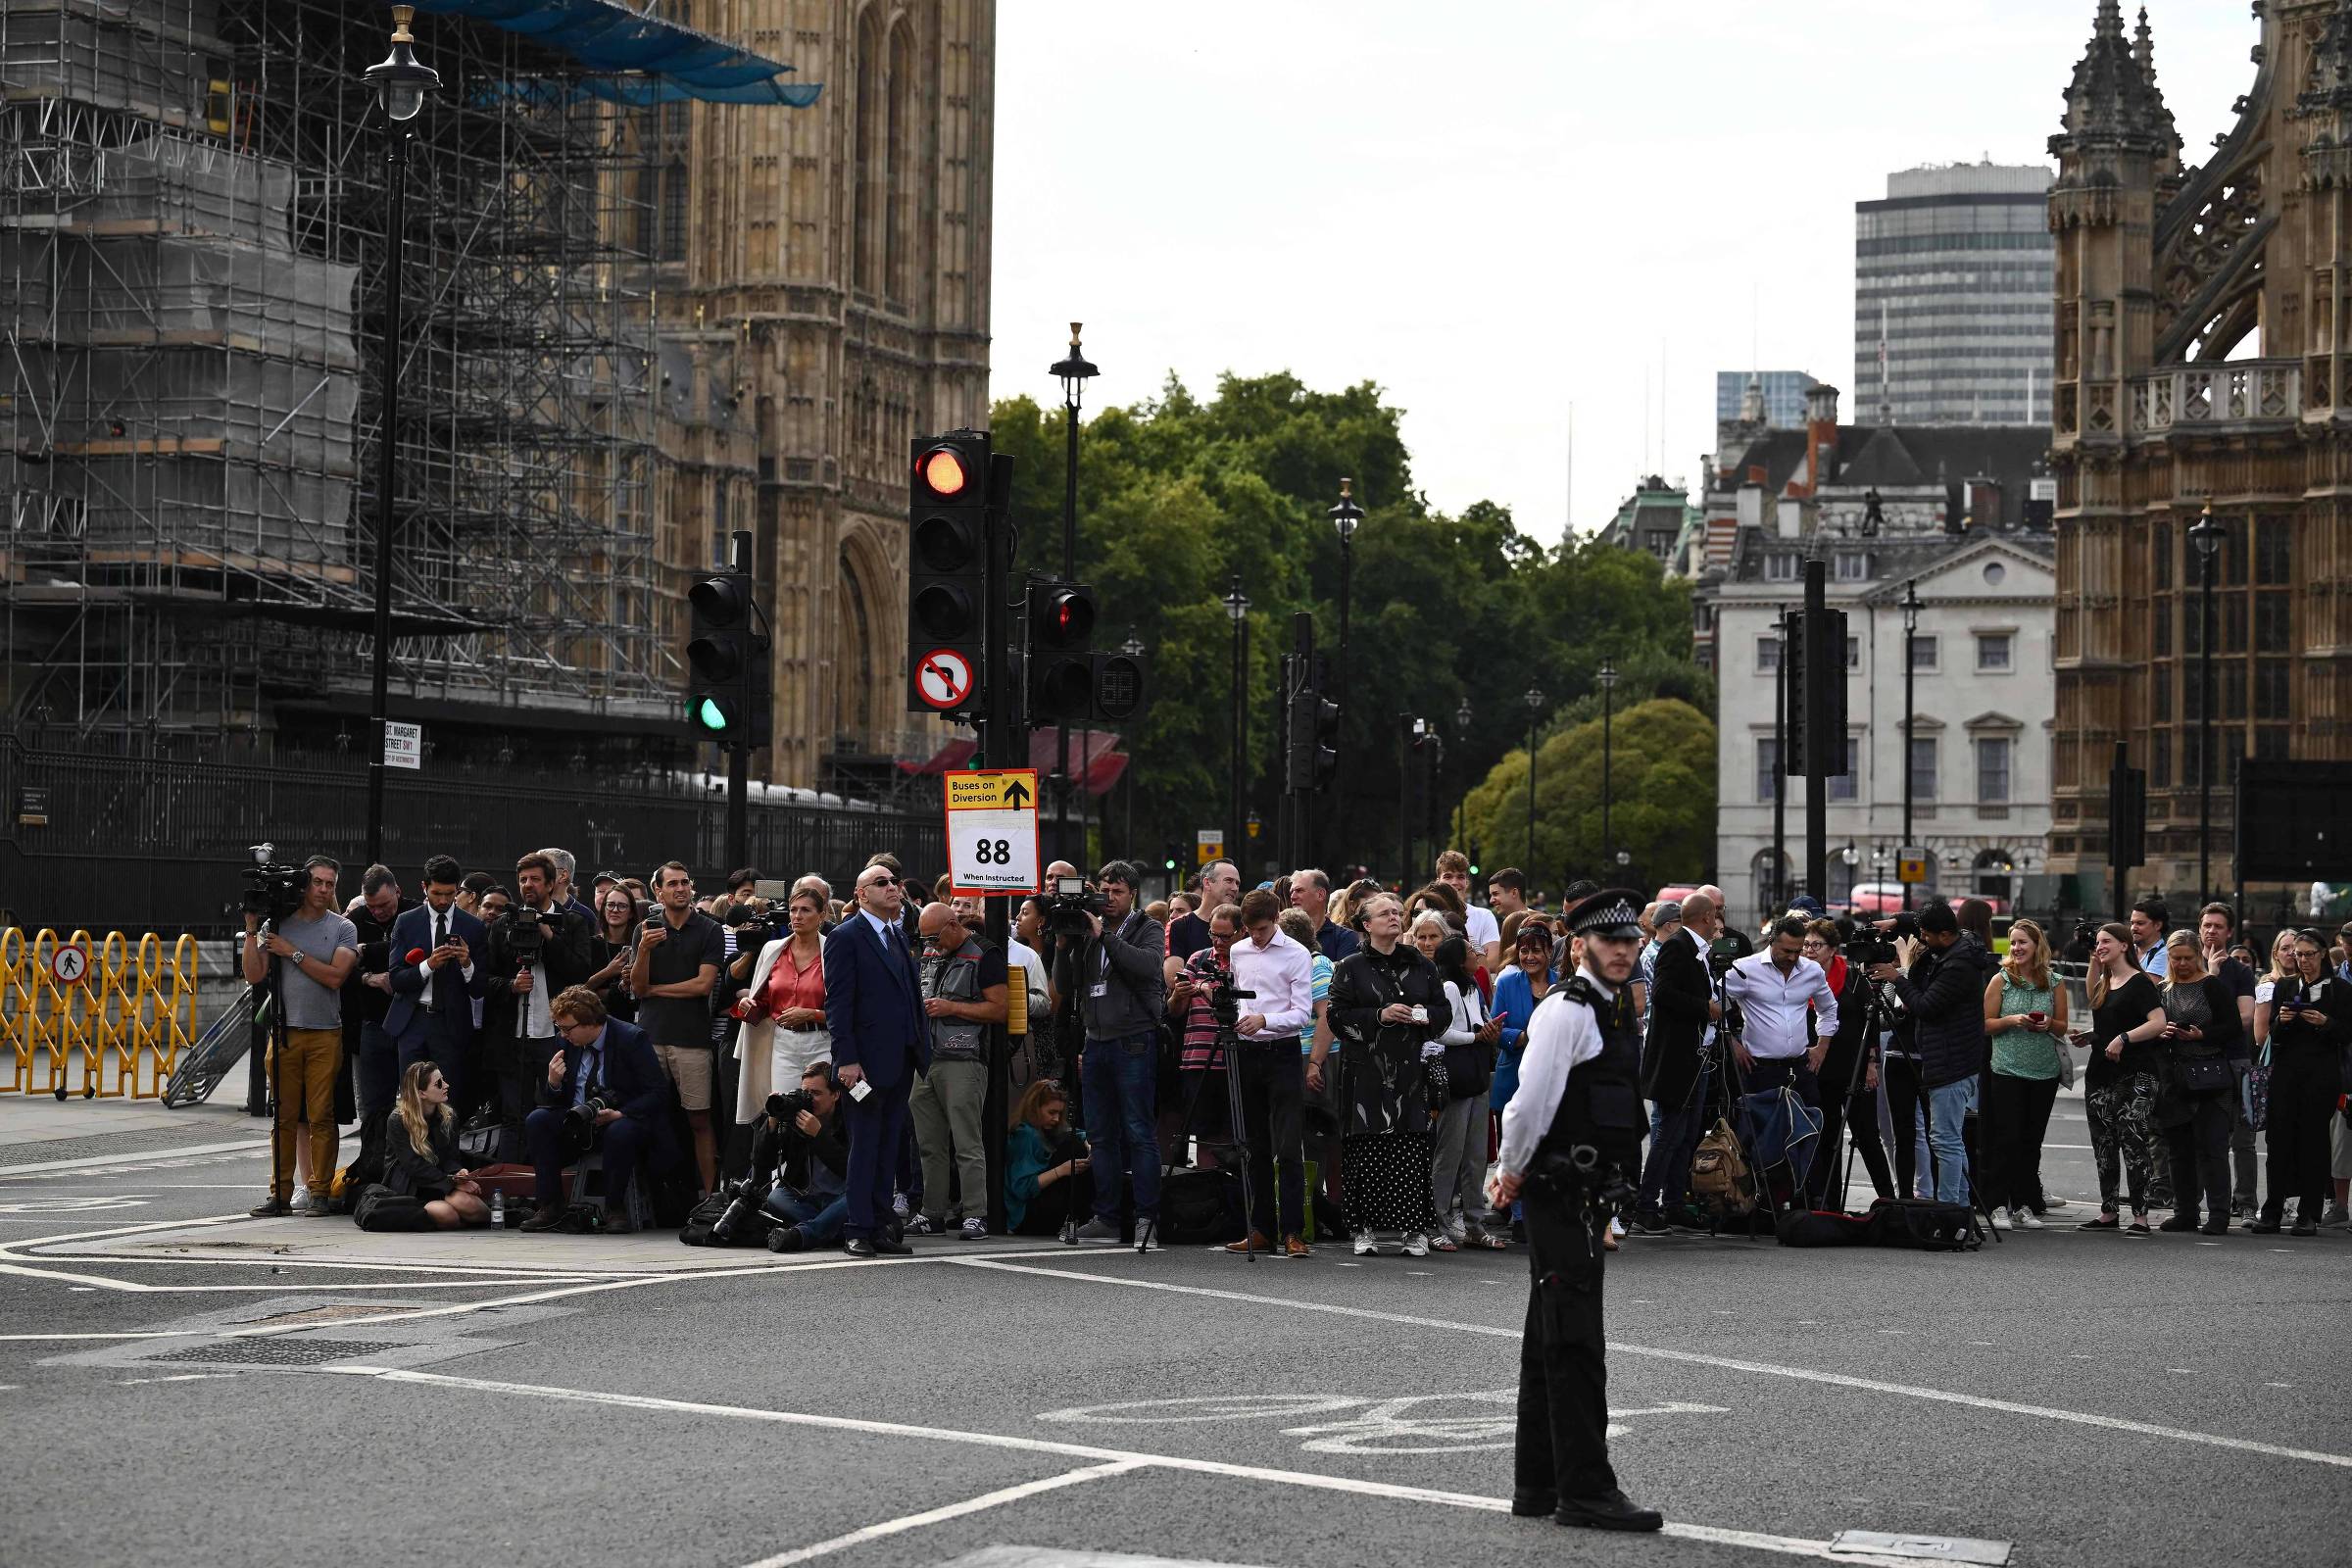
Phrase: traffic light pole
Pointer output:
(1003, 743)
(1823, 663)
(739, 759)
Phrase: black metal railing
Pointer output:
(155, 843)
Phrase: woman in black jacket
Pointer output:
(1850, 1072)
(2311, 1019)
(1388, 1008)
(2200, 1025)
(421, 1151)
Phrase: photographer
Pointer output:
(1191, 1005)
(537, 952)
(602, 1089)
(316, 949)
(803, 1134)
(1114, 973)
(1942, 975)
(679, 958)
(1046, 1180)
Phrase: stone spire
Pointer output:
(2112, 105)
(2327, 102)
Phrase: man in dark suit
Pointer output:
(1683, 1011)
(610, 1061)
(431, 1016)
(874, 1011)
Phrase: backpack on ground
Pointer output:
(1202, 1207)
(1818, 1227)
(380, 1208)
(1720, 1181)
(1924, 1225)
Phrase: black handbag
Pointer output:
(2204, 1074)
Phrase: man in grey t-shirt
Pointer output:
(316, 949)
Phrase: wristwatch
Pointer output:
(299, 955)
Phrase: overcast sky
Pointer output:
(1497, 209)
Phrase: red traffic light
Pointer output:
(942, 472)
(1061, 615)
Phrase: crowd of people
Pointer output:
(500, 1037)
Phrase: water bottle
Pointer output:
(497, 1208)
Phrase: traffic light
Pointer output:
(1824, 692)
(726, 682)
(1066, 680)
(1060, 674)
(2127, 815)
(1326, 760)
(1312, 725)
(947, 515)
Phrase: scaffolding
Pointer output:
(193, 212)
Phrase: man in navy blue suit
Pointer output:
(431, 1016)
(606, 1059)
(874, 1012)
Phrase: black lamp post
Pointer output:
(1133, 648)
(1533, 698)
(1237, 605)
(1345, 517)
(1910, 672)
(2207, 535)
(400, 82)
(1461, 729)
(1074, 370)
(1608, 685)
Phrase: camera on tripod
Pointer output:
(1071, 905)
(1225, 999)
(527, 935)
(1870, 945)
(272, 891)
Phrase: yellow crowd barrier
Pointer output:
(125, 1012)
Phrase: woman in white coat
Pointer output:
(783, 1010)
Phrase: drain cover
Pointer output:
(1927, 1548)
(278, 1352)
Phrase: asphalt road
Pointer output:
(236, 1392)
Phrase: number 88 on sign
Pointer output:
(991, 830)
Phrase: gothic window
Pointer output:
(853, 665)
(868, 167)
(899, 175)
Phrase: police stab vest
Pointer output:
(1601, 1104)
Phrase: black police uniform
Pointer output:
(1562, 1457)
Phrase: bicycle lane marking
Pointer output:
(1759, 1541)
(1841, 1380)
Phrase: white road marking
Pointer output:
(1728, 1363)
(181, 1377)
(1788, 1545)
(952, 1510)
(104, 1161)
(2277, 1384)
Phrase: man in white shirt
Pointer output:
(1774, 989)
(1269, 1072)
(1486, 933)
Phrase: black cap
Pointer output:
(1610, 912)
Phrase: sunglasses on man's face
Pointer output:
(881, 881)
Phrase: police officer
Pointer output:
(1570, 1134)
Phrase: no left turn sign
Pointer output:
(943, 678)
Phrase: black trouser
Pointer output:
(1903, 1102)
(2200, 1155)
(1273, 1089)
(1563, 1445)
(2017, 1117)
(2303, 1090)
(1862, 1125)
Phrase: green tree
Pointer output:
(1662, 794)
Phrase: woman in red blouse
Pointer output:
(783, 1010)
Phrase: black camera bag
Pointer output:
(752, 1232)
(380, 1209)
(1924, 1225)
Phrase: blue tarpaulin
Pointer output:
(638, 58)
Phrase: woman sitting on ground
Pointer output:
(421, 1151)
(1046, 1180)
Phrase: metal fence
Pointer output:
(152, 843)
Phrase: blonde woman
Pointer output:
(783, 1010)
(2025, 1013)
(421, 1151)
(2200, 1012)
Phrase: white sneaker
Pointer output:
(301, 1195)
(1365, 1246)
(2027, 1220)
(2052, 1201)
(2001, 1220)
(1617, 1227)
(1416, 1245)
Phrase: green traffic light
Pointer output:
(711, 714)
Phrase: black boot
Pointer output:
(1609, 1510)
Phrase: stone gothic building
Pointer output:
(2202, 362)
(823, 297)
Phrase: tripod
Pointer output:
(1239, 1130)
(281, 1126)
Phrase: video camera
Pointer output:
(1870, 945)
(272, 891)
(754, 926)
(526, 934)
(1070, 903)
(1225, 999)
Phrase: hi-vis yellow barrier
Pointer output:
(118, 1014)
